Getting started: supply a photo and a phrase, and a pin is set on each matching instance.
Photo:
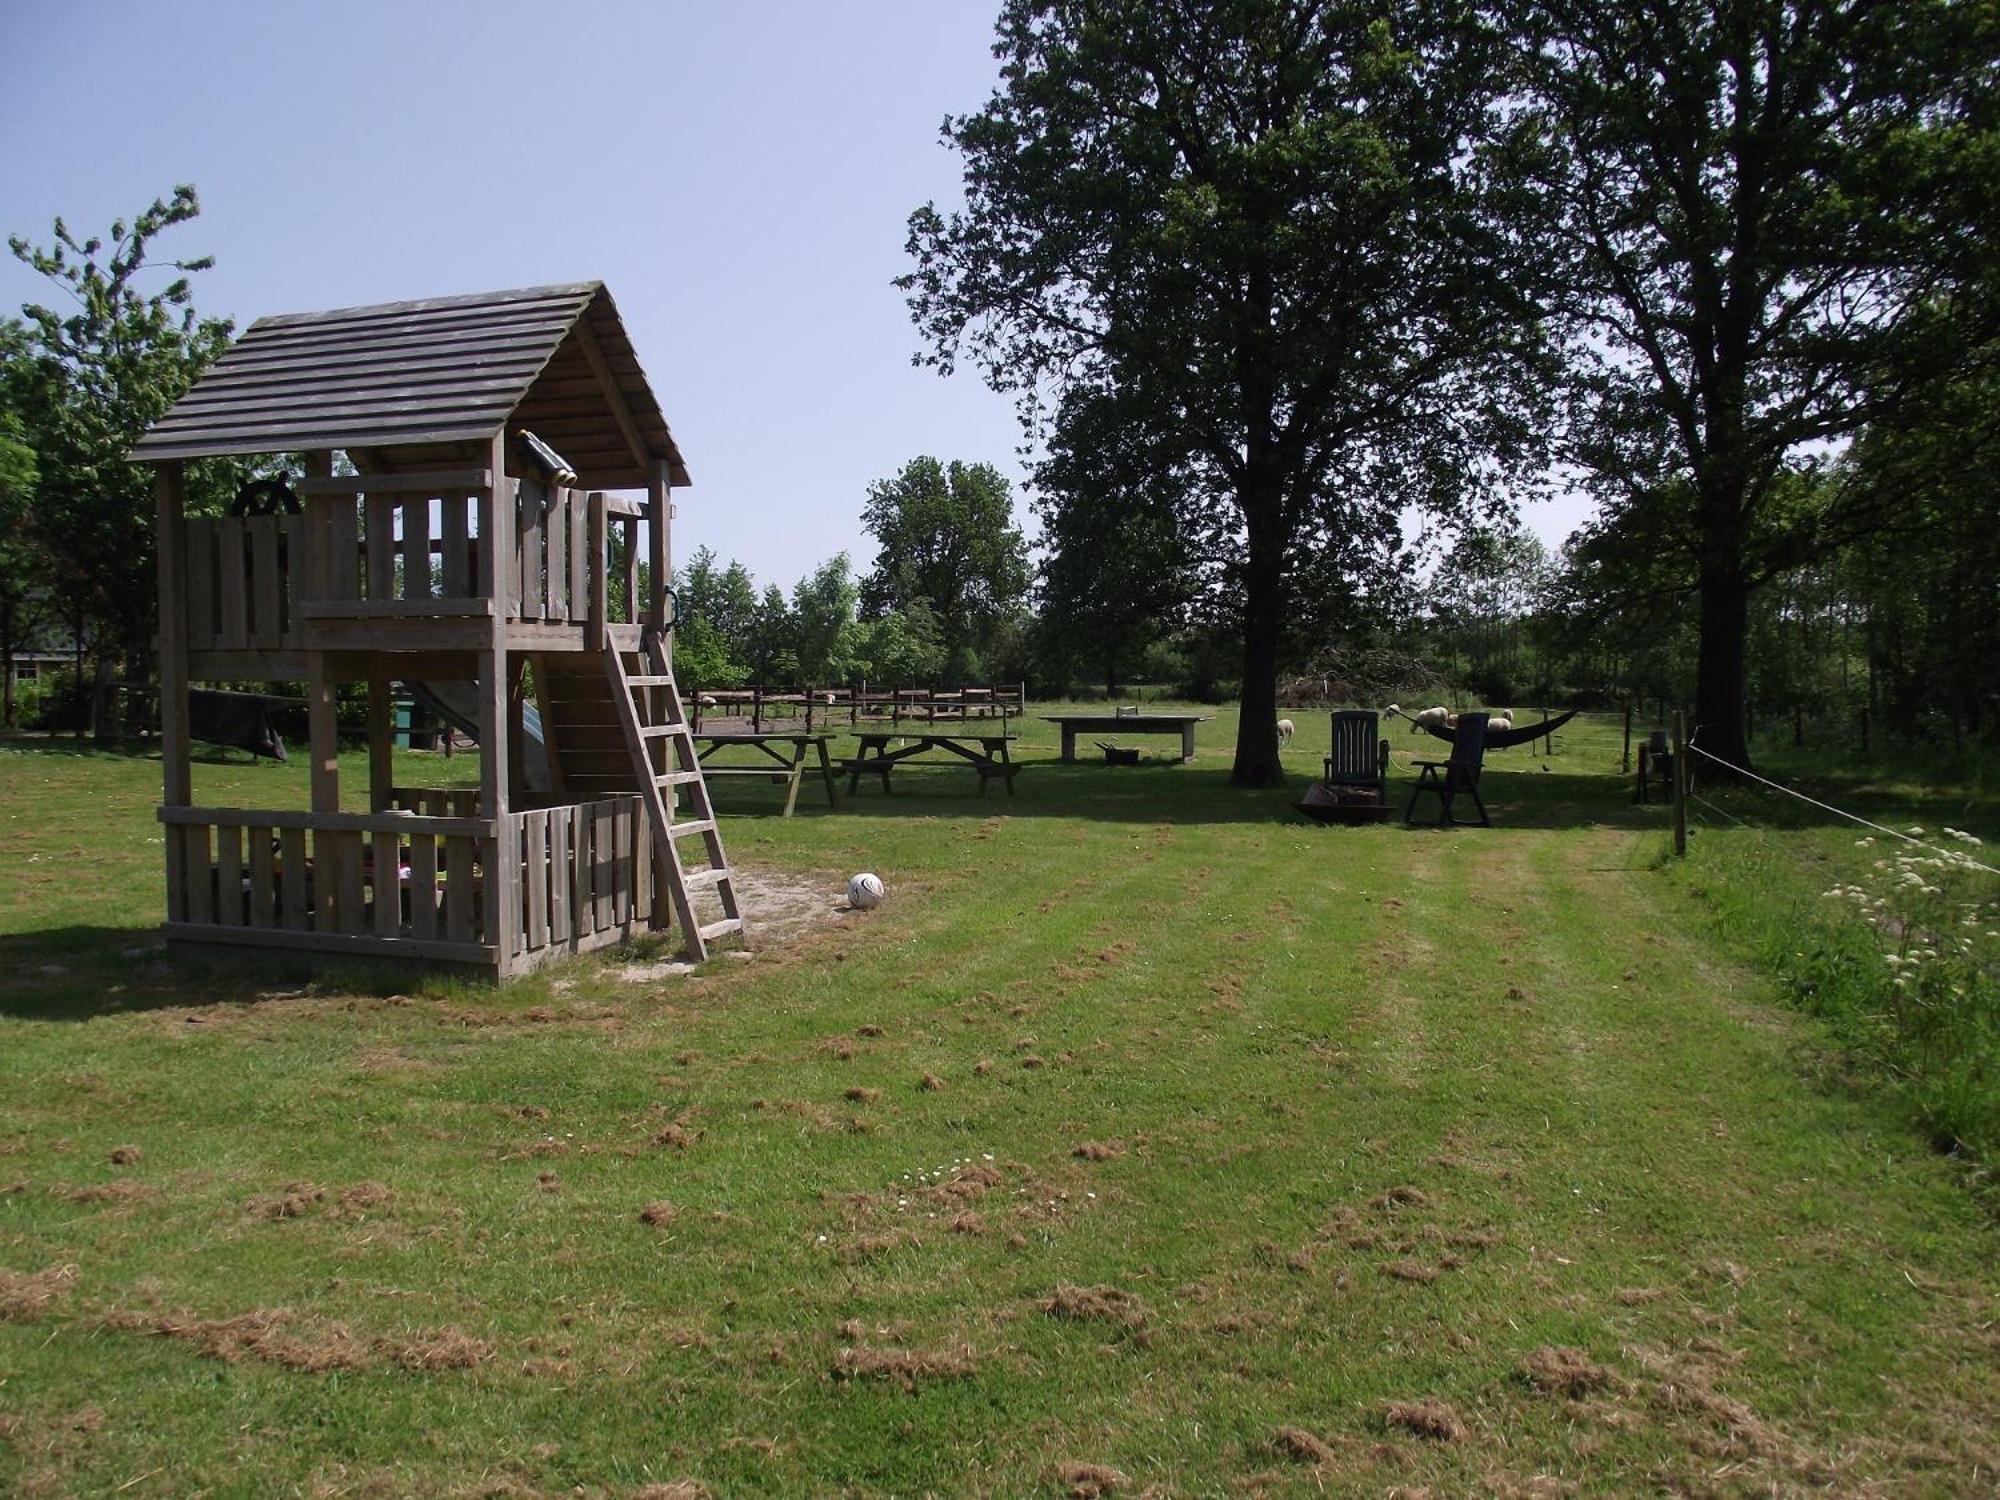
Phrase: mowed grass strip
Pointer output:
(1145, 1138)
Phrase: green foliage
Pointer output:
(1253, 241)
(1753, 213)
(85, 383)
(948, 543)
(824, 630)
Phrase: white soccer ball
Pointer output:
(864, 891)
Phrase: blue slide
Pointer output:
(457, 703)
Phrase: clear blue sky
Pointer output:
(738, 173)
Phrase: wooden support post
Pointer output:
(1680, 783)
(497, 564)
(599, 563)
(381, 741)
(170, 507)
(659, 555)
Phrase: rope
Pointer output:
(1712, 807)
(1840, 811)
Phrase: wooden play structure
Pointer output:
(469, 547)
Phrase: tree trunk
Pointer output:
(1257, 761)
(1719, 668)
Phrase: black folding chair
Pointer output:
(1460, 773)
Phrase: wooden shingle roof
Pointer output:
(554, 359)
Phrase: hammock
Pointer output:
(1501, 739)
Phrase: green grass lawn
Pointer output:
(1147, 1139)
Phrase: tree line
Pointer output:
(1300, 300)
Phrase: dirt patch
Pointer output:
(1559, 1370)
(124, 1156)
(869, 1030)
(294, 1201)
(1089, 1481)
(1639, 1296)
(1098, 1304)
(25, 1296)
(904, 1367)
(122, 1191)
(968, 1223)
(1401, 1196)
(675, 1489)
(931, 1084)
(447, 1349)
(1098, 1150)
(1429, 1418)
(364, 1198)
(659, 1214)
(860, 1095)
(266, 1334)
(869, 1246)
(1301, 1446)
(780, 907)
(1409, 1270)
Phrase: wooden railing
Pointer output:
(578, 877)
(409, 545)
(327, 877)
(587, 874)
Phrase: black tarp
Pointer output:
(239, 720)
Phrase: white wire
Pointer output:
(1842, 812)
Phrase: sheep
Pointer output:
(1500, 721)
(1436, 716)
(1284, 730)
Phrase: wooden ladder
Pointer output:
(649, 710)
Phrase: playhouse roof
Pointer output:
(554, 359)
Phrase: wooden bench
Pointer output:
(874, 757)
(790, 770)
(1124, 723)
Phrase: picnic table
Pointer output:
(1124, 723)
(875, 758)
(769, 742)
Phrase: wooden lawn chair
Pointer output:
(1460, 773)
(1358, 758)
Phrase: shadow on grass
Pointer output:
(1172, 793)
(85, 973)
(73, 749)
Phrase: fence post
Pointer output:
(1626, 765)
(1679, 780)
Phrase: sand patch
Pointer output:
(903, 1367)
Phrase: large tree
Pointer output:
(1256, 227)
(85, 380)
(947, 541)
(1758, 207)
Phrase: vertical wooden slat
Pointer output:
(528, 542)
(201, 629)
(291, 568)
(323, 748)
(417, 547)
(350, 900)
(579, 556)
(233, 598)
(229, 875)
(582, 904)
(659, 555)
(598, 563)
(457, 561)
(535, 930)
(632, 600)
(177, 904)
(263, 877)
(423, 886)
(381, 545)
(555, 544)
(326, 880)
(604, 840)
(293, 906)
(388, 885)
(343, 549)
(559, 932)
(621, 869)
(199, 874)
(381, 741)
(267, 626)
(458, 893)
(642, 865)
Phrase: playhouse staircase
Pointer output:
(648, 707)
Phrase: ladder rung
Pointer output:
(649, 682)
(717, 929)
(701, 880)
(697, 825)
(654, 731)
(677, 778)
